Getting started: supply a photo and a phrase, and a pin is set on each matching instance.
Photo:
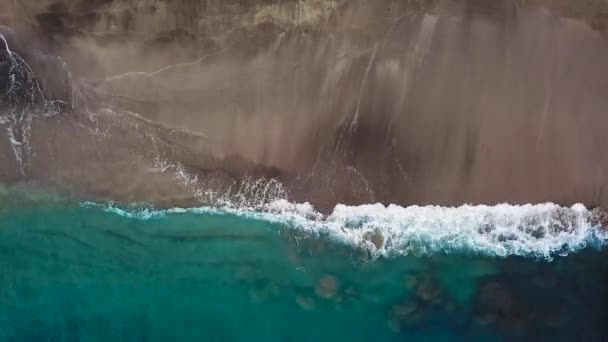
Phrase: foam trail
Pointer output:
(540, 231)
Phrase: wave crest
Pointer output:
(540, 231)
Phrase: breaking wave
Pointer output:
(541, 231)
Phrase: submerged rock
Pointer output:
(563, 220)
(599, 218)
(484, 319)
(305, 302)
(487, 227)
(376, 238)
(394, 324)
(327, 287)
(495, 303)
(351, 296)
(245, 272)
(263, 293)
(428, 290)
(405, 310)
(402, 314)
(411, 281)
(532, 226)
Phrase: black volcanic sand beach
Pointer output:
(417, 102)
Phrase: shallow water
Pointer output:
(84, 272)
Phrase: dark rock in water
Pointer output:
(402, 314)
(599, 218)
(376, 238)
(405, 309)
(327, 287)
(263, 292)
(428, 290)
(538, 232)
(487, 227)
(563, 220)
(484, 319)
(503, 237)
(305, 302)
(495, 303)
(410, 281)
(532, 225)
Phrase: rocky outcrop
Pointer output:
(599, 218)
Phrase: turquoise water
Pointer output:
(74, 272)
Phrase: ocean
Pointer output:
(211, 123)
(84, 271)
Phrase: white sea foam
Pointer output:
(540, 231)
